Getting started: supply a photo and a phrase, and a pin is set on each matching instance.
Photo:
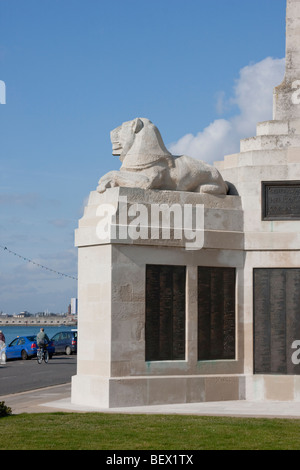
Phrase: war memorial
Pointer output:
(189, 274)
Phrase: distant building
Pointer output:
(23, 315)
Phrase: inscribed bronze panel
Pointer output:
(165, 313)
(276, 320)
(216, 313)
(281, 200)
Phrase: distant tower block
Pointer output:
(287, 95)
(2, 92)
(74, 308)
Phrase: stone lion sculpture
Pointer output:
(147, 164)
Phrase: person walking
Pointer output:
(2, 337)
(2, 348)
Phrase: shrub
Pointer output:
(4, 410)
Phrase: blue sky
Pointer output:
(76, 69)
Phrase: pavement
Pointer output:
(58, 398)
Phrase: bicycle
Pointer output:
(42, 354)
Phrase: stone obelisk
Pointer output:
(287, 95)
(266, 175)
(275, 150)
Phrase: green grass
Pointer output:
(94, 431)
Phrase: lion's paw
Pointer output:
(107, 181)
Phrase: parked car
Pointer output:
(24, 347)
(65, 342)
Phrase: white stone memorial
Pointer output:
(189, 275)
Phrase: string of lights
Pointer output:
(37, 264)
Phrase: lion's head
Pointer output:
(138, 143)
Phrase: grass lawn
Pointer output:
(96, 431)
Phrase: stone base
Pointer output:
(273, 387)
(146, 391)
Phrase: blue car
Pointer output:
(65, 342)
(24, 347)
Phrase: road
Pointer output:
(20, 376)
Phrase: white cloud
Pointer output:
(253, 95)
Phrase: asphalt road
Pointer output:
(20, 376)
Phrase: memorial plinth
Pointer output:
(124, 284)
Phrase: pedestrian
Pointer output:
(2, 348)
(2, 337)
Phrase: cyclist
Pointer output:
(42, 339)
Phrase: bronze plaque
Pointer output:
(281, 200)
(276, 320)
(165, 313)
(216, 313)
